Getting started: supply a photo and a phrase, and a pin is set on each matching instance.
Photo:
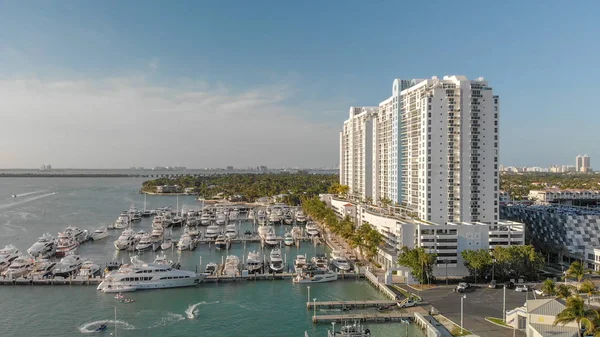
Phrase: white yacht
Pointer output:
(122, 222)
(288, 239)
(127, 240)
(340, 262)
(66, 243)
(205, 218)
(221, 218)
(139, 275)
(296, 232)
(44, 247)
(100, 234)
(299, 263)
(7, 255)
(67, 266)
(300, 217)
(42, 268)
(353, 330)
(275, 261)
(185, 242)
(251, 214)
(89, 270)
(315, 276)
(264, 230)
(222, 242)
(312, 229)
(271, 238)
(212, 232)
(288, 218)
(231, 231)
(192, 231)
(320, 260)
(157, 237)
(145, 243)
(254, 263)
(231, 267)
(166, 244)
(21, 266)
(274, 218)
(211, 268)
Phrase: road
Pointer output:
(480, 302)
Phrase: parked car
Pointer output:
(407, 303)
(509, 285)
(493, 284)
(464, 285)
(522, 288)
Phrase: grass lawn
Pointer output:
(499, 321)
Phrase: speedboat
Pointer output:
(231, 231)
(101, 328)
(254, 263)
(231, 267)
(275, 261)
(21, 266)
(67, 266)
(288, 239)
(211, 268)
(140, 275)
(145, 243)
(42, 268)
(320, 260)
(44, 247)
(271, 239)
(185, 242)
(299, 263)
(100, 234)
(89, 270)
(315, 276)
(312, 229)
(354, 330)
(66, 244)
(127, 240)
(222, 242)
(212, 232)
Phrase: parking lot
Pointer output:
(480, 302)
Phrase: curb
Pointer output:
(504, 326)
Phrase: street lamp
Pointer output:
(314, 308)
(504, 305)
(461, 312)
(493, 268)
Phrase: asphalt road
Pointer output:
(480, 302)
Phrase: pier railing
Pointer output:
(379, 285)
(430, 329)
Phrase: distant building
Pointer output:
(577, 197)
(585, 164)
(229, 168)
(46, 167)
(168, 189)
(578, 163)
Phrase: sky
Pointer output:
(114, 84)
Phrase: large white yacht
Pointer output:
(68, 265)
(21, 266)
(222, 242)
(157, 237)
(212, 232)
(263, 230)
(66, 243)
(127, 240)
(44, 247)
(254, 262)
(275, 261)
(185, 242)
(145, 243)
(205, 218)
(7, 254)
(139, 275)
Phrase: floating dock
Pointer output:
(376, 317)
(350, 304)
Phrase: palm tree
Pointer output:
(575, 270)
(575, 311)
(563, 291)
(548, 287)
(588, 287)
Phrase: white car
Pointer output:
(407, 303)
(521, 288)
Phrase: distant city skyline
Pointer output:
(90, 85)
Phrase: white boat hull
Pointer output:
(99, 236)
(316, 279)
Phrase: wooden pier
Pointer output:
(375, 317)
(51, 281)
(350, 304)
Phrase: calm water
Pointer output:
(253, 308)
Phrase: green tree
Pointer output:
(418, 261)
(575, 311)
(563, 291)
(478, 262)
(588, 287)
(549, 288)
(575, 271)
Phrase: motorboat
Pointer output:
(300, 217)
(89, 270)
(145, 243)
(275, 261)
(211, 268)
(79, 235)
(312, 229)
(320, 260)
(157, 221)
(271, 239)
(353, 330)
(100, 233)
(221, 218)
(127, 240)
(205, 219)
(140, 275)
(146, 213)
(254, 263)
(66, 243)
(166, 244)
(231, 231)
(231, 267)
(157, 237)
(42, 268)
(288, 239)
(101, 328)
(315, 276)
(44, 247)
(299, 263)
(264, 230)
(234, 214)
(185, 242)
(222, 242)
(274, 218)
(288, 218)
(191, 231)
(122, 222)
(212, 232)
(341, 263)
(296, 232)
(68, 265)
(251, 214)
(134, 214)
(177, 221)
(162, 260)
(261, 219)
(21, 266)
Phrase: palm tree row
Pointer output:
(365, 237)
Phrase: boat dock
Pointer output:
(51, 281)
(350, 304)
(375, 317)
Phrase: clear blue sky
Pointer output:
(292, 68)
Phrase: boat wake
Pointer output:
(110, 323)
(30, 193)
(5, 206)
(171, 318)
(192, 310)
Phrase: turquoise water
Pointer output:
(250, 308)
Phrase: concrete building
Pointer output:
(577, 197)
(585, 164)
(537, 318)
(356, 152)
(578, 163)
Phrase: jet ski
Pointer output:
(101, 328)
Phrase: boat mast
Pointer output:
(115, 321)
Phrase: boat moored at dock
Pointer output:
(128, 240)
(44, 247)
(275, 261)
(21, 266)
